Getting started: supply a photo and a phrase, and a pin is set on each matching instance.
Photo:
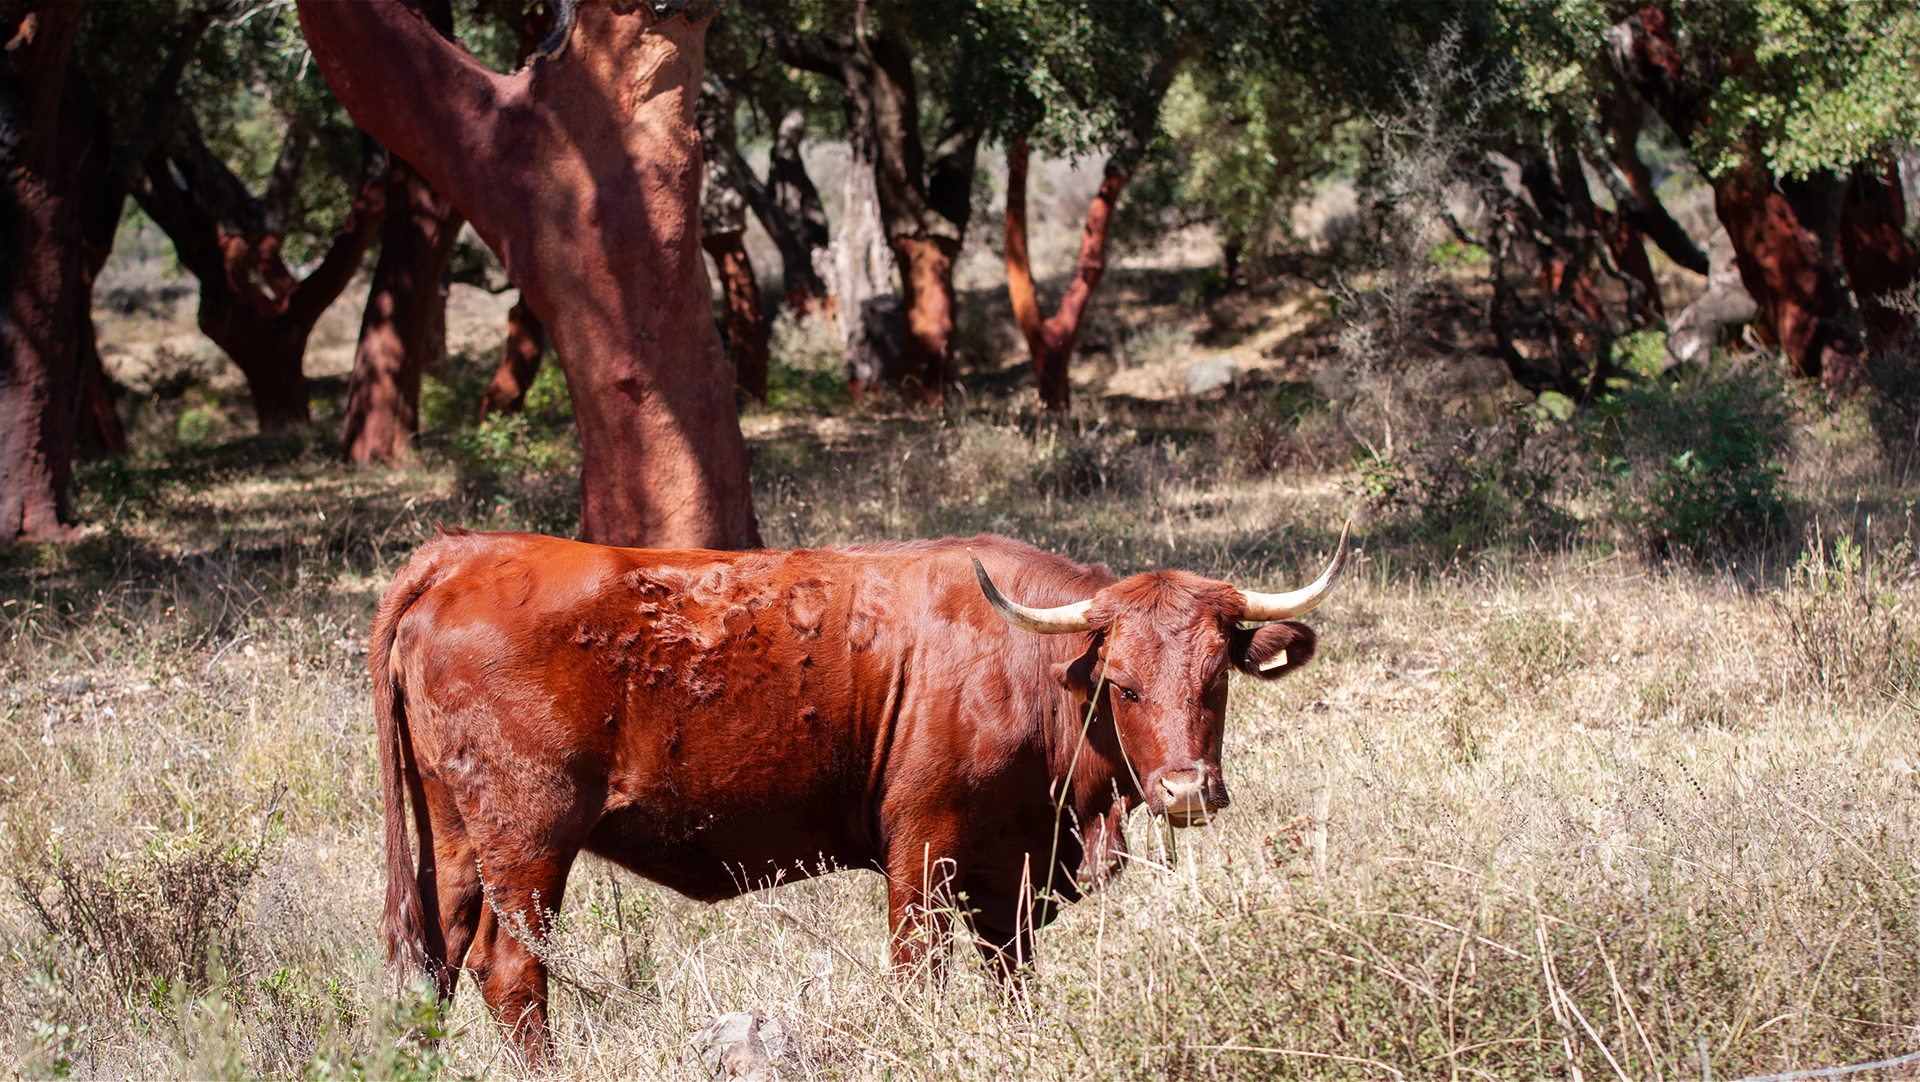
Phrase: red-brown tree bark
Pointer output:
(42, 147)
(403, 327)
(526, 340)
(1783, 268)
(1803, 308)
(723, 228)
(582, 172)
(1873, 245)
(397, 339)
(1051, 341)
(747, 328)
(1629, 249)
(519, 362)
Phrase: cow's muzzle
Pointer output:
(1189, 797)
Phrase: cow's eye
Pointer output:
(1127, 694)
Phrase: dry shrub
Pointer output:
(1848, 620)
(154, 925)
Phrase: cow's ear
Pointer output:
(1273, 651)
(1077, 675)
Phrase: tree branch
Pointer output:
(378, 56)
(319, 289)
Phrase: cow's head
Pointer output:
(1156, 668)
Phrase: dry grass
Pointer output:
(1524, 813)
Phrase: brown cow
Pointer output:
(714, 721)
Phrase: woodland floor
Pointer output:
(1534, 807)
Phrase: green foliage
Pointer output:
(1642, 353)
(1692, 466)
(1832, 82)
(514, 469)
(1237, 149)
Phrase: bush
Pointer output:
(1893, 406)
(1472, 491)
(1691, 466)
(153, 925)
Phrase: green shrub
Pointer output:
(1691, 466)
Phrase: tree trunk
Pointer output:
(99, 421)
(1873, 245)
(1782, 267)
(794, 206)
(269, 342)
(747, 328)
(723, 223)
(1781, 261)
(1632, 184)
(926, 279)
(250, 304)
(1628, 246)
(42, 147)
(924, 223)
(1051, 342)
(403, 328)
(526, 339)
(397, 339)
(519, 362)
(582, 172)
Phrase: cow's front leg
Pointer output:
(505, 958)
(922, 878)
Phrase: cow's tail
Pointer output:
(405, 920)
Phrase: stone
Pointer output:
(744, 1046)
(1211, 374)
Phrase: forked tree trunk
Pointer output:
(403, 327)
(1632, 181)
(42, 147)
(519, 362)
(1051, 341)
(397, 331)
(250, 303)
(1783, 268)
(1803, 309)
(582, 172)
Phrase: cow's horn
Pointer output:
(1061, 621)
(1257, 607)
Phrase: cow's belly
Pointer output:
(713, 857)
